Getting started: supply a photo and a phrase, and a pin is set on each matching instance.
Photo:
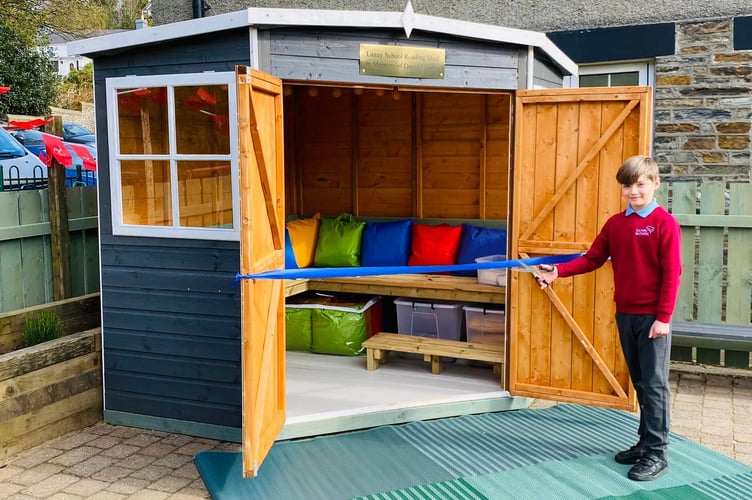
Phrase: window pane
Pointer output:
(625, 79)
(145, 188)
(201, 120)
(593, 80)
(205, 194)
(142, 119)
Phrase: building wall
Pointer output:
(703, 97)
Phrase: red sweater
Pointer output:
(646, 259)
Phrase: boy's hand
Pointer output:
(546, 275)
(659, 329)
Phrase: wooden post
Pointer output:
(59, 235)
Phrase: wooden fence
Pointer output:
(713, 318)
(25, 250)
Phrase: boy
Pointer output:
(644, 244)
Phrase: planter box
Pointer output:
(77, 314)
(49, 390)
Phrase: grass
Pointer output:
(44, 326)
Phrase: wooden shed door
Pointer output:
(262, 248)
(569, 143)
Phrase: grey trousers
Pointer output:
(648, 362)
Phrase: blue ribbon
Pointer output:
(354, 272)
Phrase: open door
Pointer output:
(262, 248)
(569, 143)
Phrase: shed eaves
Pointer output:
(267, 18)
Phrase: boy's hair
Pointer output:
(634, 167)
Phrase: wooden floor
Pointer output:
(334, 393)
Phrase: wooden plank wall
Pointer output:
(333, 55)
(396, 153)
(716, 221)
(25, 259)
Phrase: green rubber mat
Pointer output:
(563, 452)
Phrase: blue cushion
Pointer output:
(290, 262)
(477, 242)
(386, 243)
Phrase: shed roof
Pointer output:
(268, 18)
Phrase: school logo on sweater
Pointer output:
(646, 231)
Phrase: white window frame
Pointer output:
(645, 70)
(113, 135)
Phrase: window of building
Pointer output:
(173, 171)
(616, 75)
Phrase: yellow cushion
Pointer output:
(303, 236)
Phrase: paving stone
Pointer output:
(177, 440)
(111, 474)
(107, 495)
(141, 440)
(72, 440)
(193, 448)
(34, 456)
(120, 451)
(151, 472)
(136, 461)
(91, 466)
(64, 496)
(50, 486)
(101, 428)
(149, 495)
(129, 485)
(10, 471)
(174, 460)
(190, 494)
(126, 432)
(36, 474)
(170, 484)
(188, 470)
(75, 455)
(86, 487)
(157, 450)
(105, 442)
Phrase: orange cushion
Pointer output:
(304, 234)
(434, 245)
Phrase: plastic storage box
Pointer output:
(485, 326)
(429, 319)
(496, 277)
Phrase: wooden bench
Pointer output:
(380, 345)
(710, 340)
(418, 286)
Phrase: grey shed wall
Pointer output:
(171, 330)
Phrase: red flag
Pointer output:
(4, 90)
(57, 150)
(30, 124)
(83, 152)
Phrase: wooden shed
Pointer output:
(378, 114)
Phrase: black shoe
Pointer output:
(630, 456)
(648, 469)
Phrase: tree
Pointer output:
(29, 75)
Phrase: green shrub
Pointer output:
(44, 326)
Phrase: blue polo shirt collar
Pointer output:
(644, 212)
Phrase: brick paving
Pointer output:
(106, 462)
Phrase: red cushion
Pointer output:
(434, 245)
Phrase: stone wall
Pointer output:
(703, 98)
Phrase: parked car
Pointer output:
(31, 139)
(78, 134)
(20, 168)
